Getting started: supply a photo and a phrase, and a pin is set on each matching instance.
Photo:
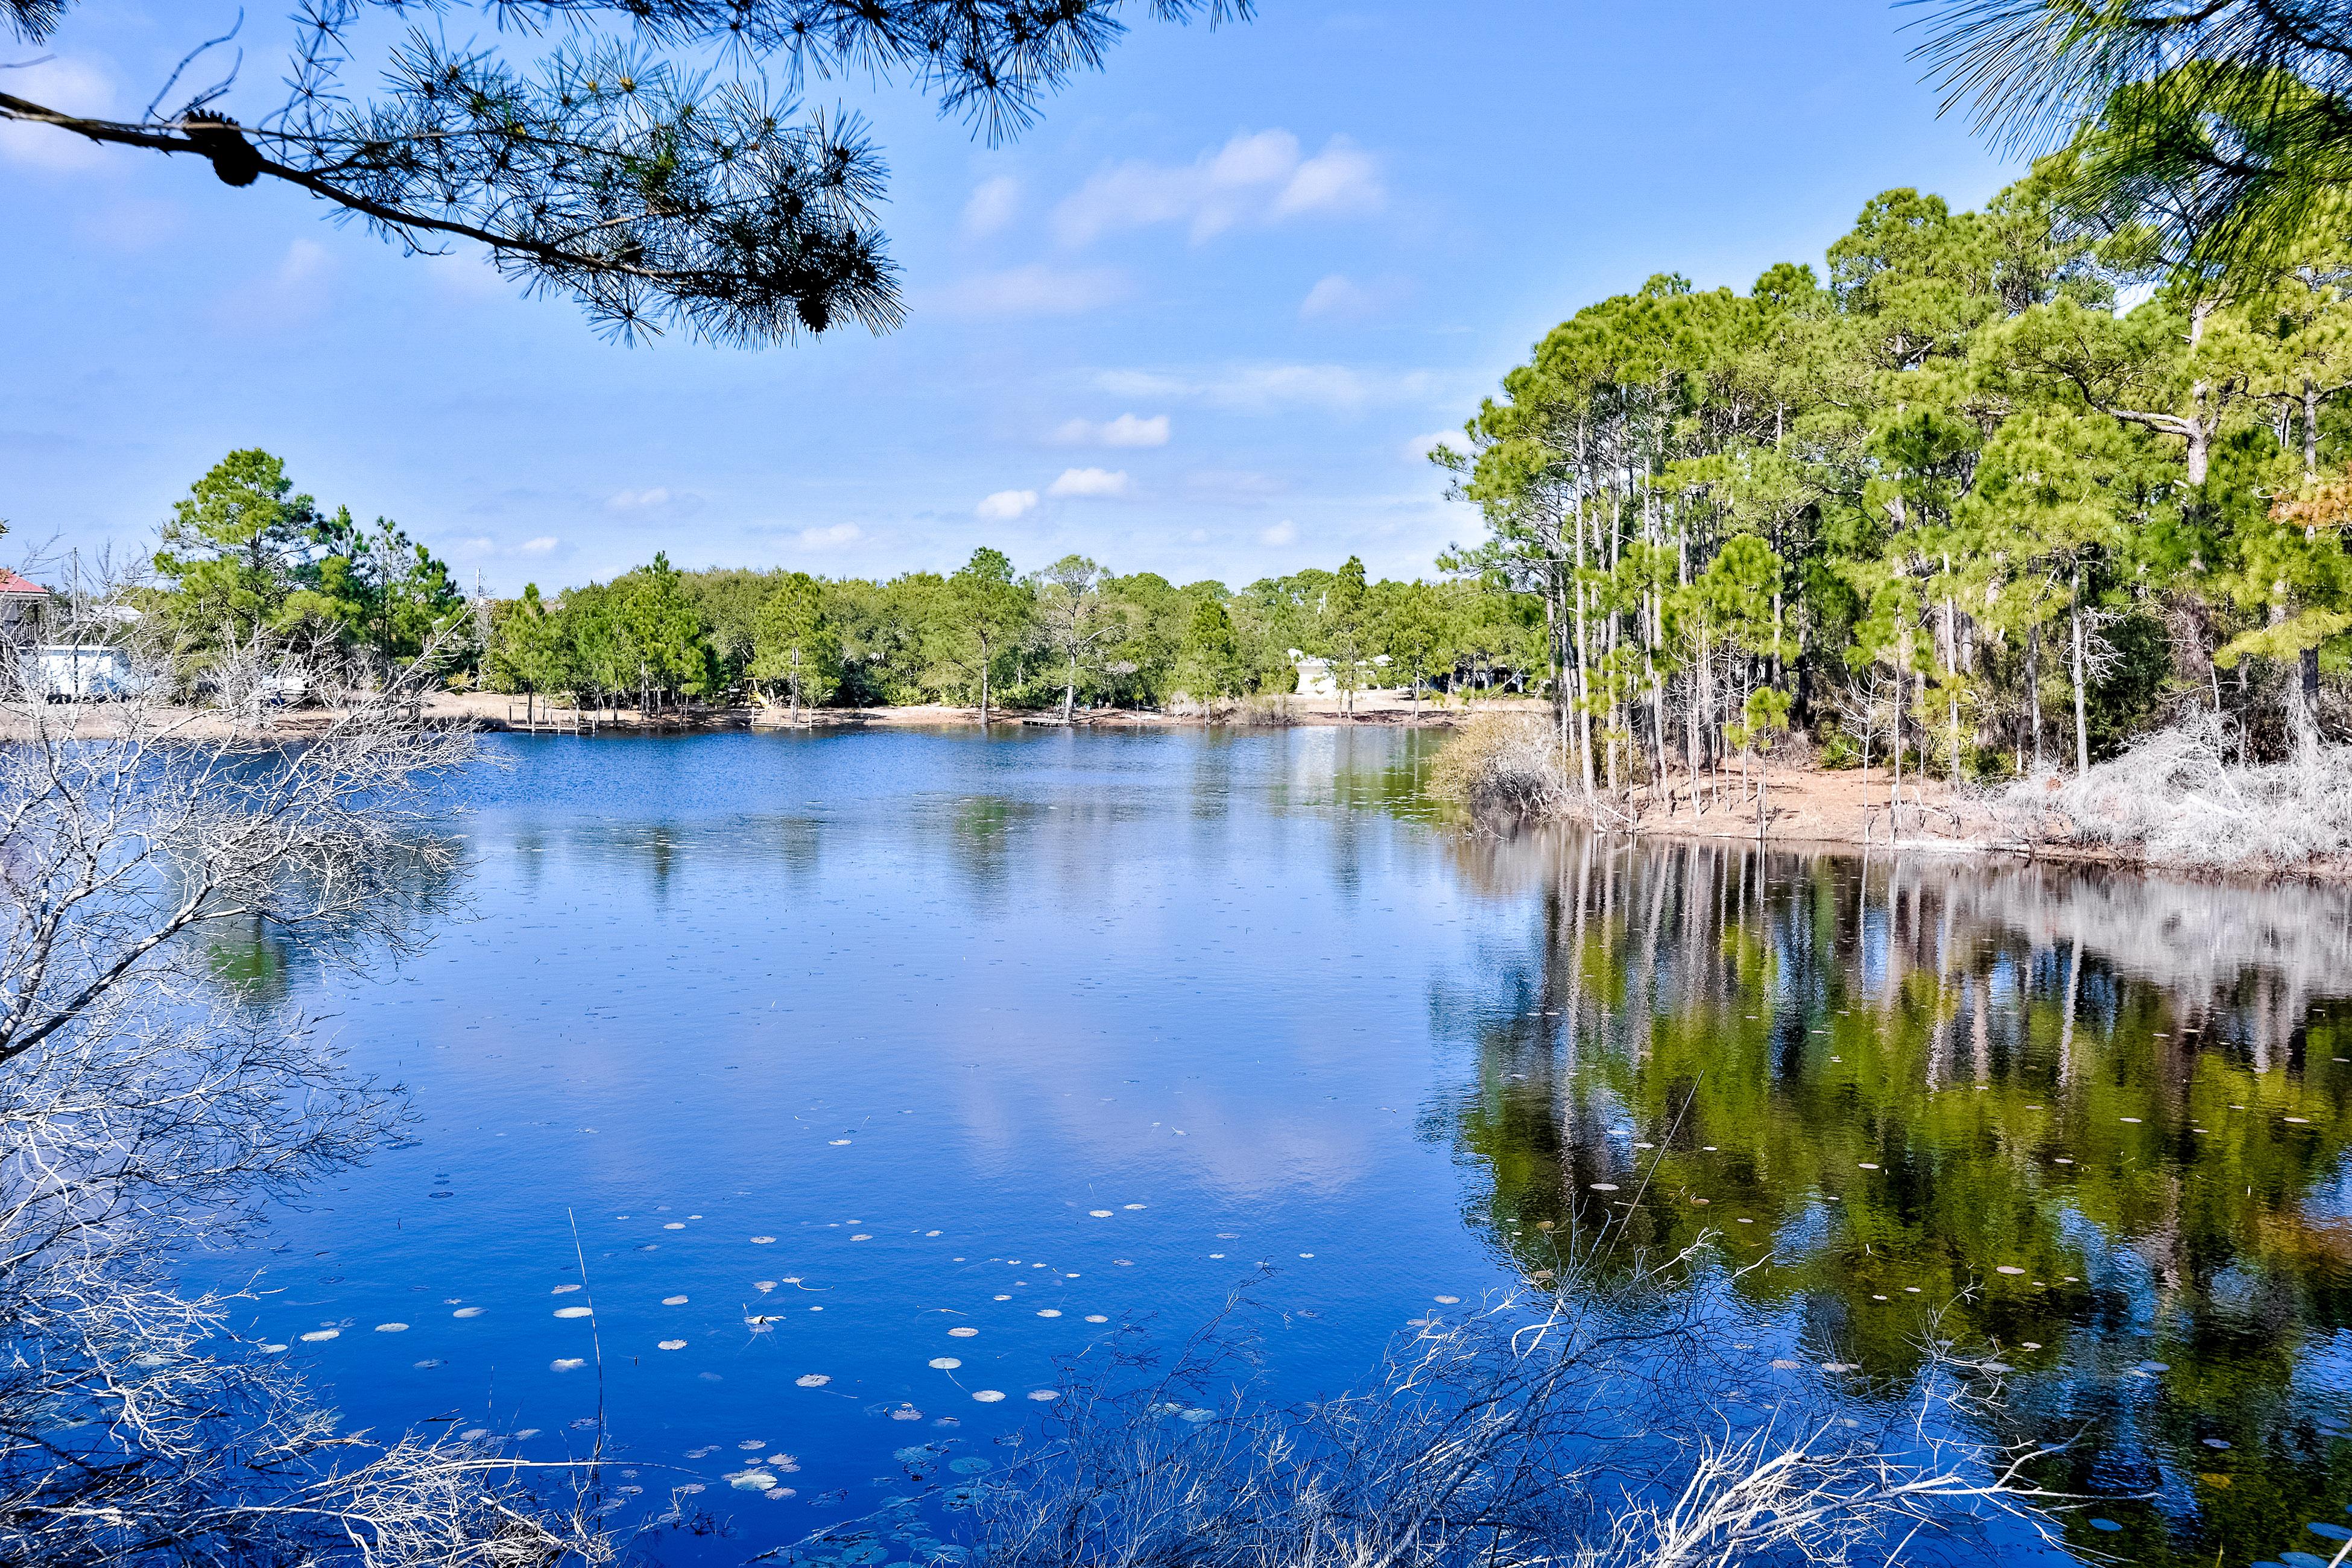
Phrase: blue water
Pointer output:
(794, 1055)
(922, 1008)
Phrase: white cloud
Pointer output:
(1254, 178)
(1341, 298)
(1005, 505)
(1342, 180)
(292, 293)
(1127, 431)
(1037, 290)
(306, 262)
(1089, 482)
(830, 538)
(639, 500)
(1417, 450)
(1253, 388)
(993, 205)
(482, 547)
(1281, 533)
(69, 86)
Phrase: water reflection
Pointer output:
(2098, 1121)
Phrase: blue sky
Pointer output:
(1201, 320)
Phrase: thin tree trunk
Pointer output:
(2081, 716)
(2034, 686)
(1952, 670)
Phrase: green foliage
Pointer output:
(1955, 476)
(796, 647)
(244, 556)
(236, 547)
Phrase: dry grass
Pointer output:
(1598, 1426)
(1506, 764)
(2173, 800)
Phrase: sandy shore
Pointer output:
(1807, 806)
(497, 712)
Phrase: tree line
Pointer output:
(2003, 489)
(1070, 632)
(246, 558)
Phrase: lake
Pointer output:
(815, 1061)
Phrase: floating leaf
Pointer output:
(563, 1290)
(1051, 1312)
(763, 1240)
(1042, 1394)
(1099, 1214)
(945, 1364)
(988, 1395)
(672, 1344)
(316, 1334)
(392, 1327)
(961, 1333)
(567, 1364)
(574, 1311)
(1097, 1318)
(673, 1301)
(425, 1365)
(813, 1379)
(469, 1312)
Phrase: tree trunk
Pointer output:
(1952, 671)
(2034, 686)
(1070, 689)
(2302, 691)
(2310, 428)
(796, 689)
(2082, 719)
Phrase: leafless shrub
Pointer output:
(1259, 712)
(2175, 801)
(1504, 763)
(1598, 1426)
(144, 1114)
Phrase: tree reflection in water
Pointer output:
(2098, 1118)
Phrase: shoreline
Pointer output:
(1839, 810)
(1835, 810)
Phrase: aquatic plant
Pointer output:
(1602, 1425)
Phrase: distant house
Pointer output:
(1314, 675)
(24, 608)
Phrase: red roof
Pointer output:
(12, 584)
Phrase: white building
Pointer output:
(1314, 675)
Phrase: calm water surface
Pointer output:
(829, 1057)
